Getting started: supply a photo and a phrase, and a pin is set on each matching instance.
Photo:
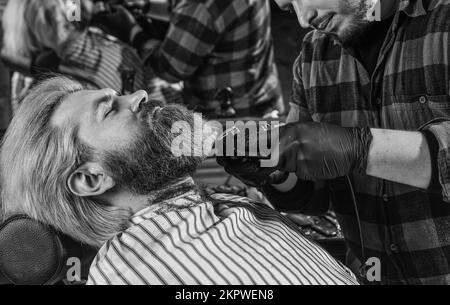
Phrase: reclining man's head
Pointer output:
(84, 161)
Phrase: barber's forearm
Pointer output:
(400, 156)
(153, 56)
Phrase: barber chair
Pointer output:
(34, 254)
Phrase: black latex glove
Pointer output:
(248, 169)
(322, 151)
(249, 172)
(117, 21)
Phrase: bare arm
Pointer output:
(400, 156)
(394, 155)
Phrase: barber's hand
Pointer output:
(249, 172)
(322, 151)
(117, 21)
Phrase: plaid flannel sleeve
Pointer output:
(299, 108)
(192, 36)
(441, 130)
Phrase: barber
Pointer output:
(370, 126)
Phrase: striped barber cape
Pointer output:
(223, 240)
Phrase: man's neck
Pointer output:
(135, 203)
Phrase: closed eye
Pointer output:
(105, 105)
(110, 111)
(110, 104)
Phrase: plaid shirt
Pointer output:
(408, 229)
(214, 44)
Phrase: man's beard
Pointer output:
(148, 165)
(359, 25)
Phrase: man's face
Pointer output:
(106, 121)
(344, 19)
(131, 136)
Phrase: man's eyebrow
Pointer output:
(96, 104)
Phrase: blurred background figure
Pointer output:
(212, 45)
(5, 104)
(40, 34)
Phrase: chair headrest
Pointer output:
(29, 252)
(34, 254)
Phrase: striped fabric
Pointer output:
(227, 240)
(214, 44)
(104, 62)
(408, 229)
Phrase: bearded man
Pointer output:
(99, 167)
(370, 130)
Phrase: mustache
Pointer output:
(166, 113)
(149, 106)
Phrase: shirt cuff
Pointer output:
(440, 129)
(433, 146)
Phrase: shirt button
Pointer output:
(394, 248)
(423, 99)
(379, 101)
(385, 198)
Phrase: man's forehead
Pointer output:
(74, 107)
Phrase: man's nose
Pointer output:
(137, 99)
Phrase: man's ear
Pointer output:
(89, 180)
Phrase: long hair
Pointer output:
(31, 25)
(36, 161)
